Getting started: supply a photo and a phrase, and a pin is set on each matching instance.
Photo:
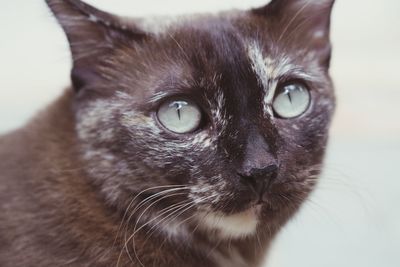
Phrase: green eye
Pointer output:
(179, 116)
(291, 101)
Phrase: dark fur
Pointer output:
(69, 176)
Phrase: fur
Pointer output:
(96, 180)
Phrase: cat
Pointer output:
(181, 142)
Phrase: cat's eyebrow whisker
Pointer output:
(180, 46)
(306, 4)
(298, 26)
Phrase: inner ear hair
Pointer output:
(280, 7)
(92, 35)
(314, 13)
(75, 12)
(306, 22)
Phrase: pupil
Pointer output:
(179, 112)
(178, 105)
(289, 96)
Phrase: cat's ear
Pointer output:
(305, 21)
(91, 33)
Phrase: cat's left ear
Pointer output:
(91, 33)
(305, 22)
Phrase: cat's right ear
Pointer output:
(91, 33)
(301, 21)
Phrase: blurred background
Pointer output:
(353, 219)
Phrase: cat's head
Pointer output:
(221, 120)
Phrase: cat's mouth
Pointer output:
(243, 214)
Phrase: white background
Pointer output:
(353, 219)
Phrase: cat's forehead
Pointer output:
(222, 51)
(229, 43)
(234, 54)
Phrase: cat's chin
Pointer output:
(232, 226)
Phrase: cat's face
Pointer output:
(220, 119)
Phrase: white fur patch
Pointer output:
(230, 226)
(259, 65)
(266, 72)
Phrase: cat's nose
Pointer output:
(259, 166)
(259, 179)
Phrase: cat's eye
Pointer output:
(179, 115)
(291, 101)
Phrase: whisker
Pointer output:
(150, 198)
(175, 212)
(174, 207)
(194, 204)
(137, 195)
(138, 220)
(172, 188)
(179, 45)
(153, 229)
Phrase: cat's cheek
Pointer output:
(306, 135)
